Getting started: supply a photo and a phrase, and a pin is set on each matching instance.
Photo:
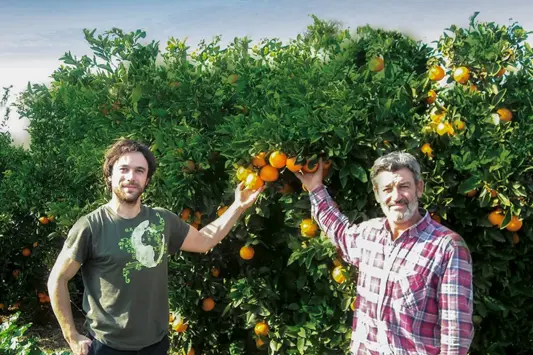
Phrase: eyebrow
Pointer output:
(399, 183)
(127, 166)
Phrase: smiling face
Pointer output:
(398, 193)
(129, 177)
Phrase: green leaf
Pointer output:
(469, 184)
(498, 97)
(135, 97)
(359, 172)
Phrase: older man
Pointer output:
(414, 290)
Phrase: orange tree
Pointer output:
(256, 112)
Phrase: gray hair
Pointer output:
(393, 162)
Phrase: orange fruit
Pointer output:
(493, 193)
(269, 173)
(208, 304)
(461, 75)
(51, 218)
(442, 129)
(185, 214)
(473, 88)
(337, 262)
(505, 114)
(338, 275)
(426, 149)
(310, 166)
(215, 272)
(44, 220)
(277, 159)
(196, 225)
(471, 193)
(376, 64)
(259, 342)
(450, 129)
(191, 352)
(259, 160)
(242, 173)
(190, 167)
(460, 125)
(515, 225)
(179, 325)
(353, 304)
(171, 317)
(432, 97)
(261, 328)
(247, 252)
(436, 73)
(2, 306)
(327, 164)
(308, 228)
(253, 182)
(436, 116)
(197, 217)
(221, 210)
(35, 244)
(292, 166)
(496, 218)
(26, 252)
(516, 239)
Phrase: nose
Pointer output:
(395, 194)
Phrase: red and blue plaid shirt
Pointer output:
(414, 294)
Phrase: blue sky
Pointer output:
(35, 33)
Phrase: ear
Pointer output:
(147, 182)
(419, 188)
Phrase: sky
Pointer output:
(34, 34)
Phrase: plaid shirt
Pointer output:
(414, 294)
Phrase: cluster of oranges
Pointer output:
(439, 123)
(43, 297)
(261, 329)
(195, 220)
(266, 168)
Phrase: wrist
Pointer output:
(70, 334)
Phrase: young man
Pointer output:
(414, 289)
(122, 249)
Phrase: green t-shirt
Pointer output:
(125, 274)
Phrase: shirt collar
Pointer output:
(417, 228)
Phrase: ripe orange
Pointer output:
(471, 193)
(269, 173)
(308, 228)
(337, 262)
(261, 328)
(215, 272)
(185, 214)
(259, 343)
(310, 166)
(247, 252)
(51, 218)
(460, 125)
(426, 149)
(515, 225)
(190, 167)
(450, 129)
(432, 97)
(292, 166)
(44, 220)
(516, 239)
(208, 304)
(473, 88)
(171, 317)
(191, 352)
(259, 160)
(353, 304)
(35, 244)
(2, 306)
(436, 116)
(26, 252)
(461, 75)
(338, 275)
(253, 182)
(221, 210)
(242, 173)
(327, 164)
(179, 324)
(277, 159)
(436, 73)
(197, 217)
(505, 114)
(500, 72)
(493, 193)
(376, 64)
(496, 218)
(442, 129)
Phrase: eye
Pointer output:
(387, 189)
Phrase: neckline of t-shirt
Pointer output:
(118, 217)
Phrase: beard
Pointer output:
(400, 216)
(128, 197)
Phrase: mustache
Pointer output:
(129, 183)
(402, 201)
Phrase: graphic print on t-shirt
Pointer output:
(146, 245)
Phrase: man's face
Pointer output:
(398, 195)
(129, 177)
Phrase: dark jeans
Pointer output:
(160, 348)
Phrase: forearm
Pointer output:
(328, 216)
(60, 301)
(217, 230)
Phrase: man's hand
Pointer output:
(244, 198)
(312, 181)
(80, 345)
